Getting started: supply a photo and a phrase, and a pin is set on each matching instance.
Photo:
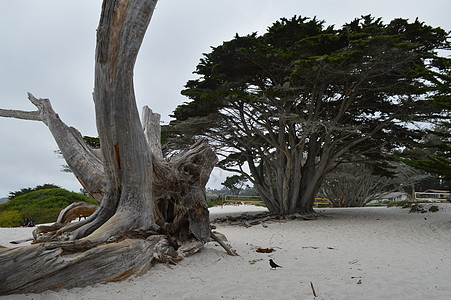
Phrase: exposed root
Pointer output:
(49, 233)
(45, 266)
(74, 210)
(248, 220)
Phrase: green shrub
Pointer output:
(43, 205)
(214, 203)
(415, 207)
(27, 190)
(434, 208)
(11, 218)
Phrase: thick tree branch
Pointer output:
(19, 114)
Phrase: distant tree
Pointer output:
(24, 191)
(235, 183)
(430, 182)
(297, 101)
(249, 191)
(433, 154)
(354, 184)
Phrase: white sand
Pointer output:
(355, 253)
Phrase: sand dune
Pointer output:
(352, 253)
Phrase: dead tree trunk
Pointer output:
(85, 163)
(151, 208)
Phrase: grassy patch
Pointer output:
(237, 201)
(254, 261)
(214, 203)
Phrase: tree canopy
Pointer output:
(433, 154)
(24, 191)
(235, 183)
(302, 98)
(353, 184)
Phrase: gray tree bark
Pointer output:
(85, 163)
(151, 208)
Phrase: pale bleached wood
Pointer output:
(83, 161)
(229, 250)
(77, 264)
(19, 114)
(74, 210)
(152, 130)
(152, 209)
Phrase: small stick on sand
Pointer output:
(313, 289)
(226, 248)
(21, 241)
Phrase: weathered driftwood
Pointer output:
(47, 232)
(74, 210)
(223, 245)
(248, 220)
(80, 263)
(19, 242)
(151, 208)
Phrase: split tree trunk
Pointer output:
(288, 185)
(151, 208)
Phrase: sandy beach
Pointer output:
(349, 253)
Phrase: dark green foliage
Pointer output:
(433, 154)
(42, 205)
(235, 183)
(94, 142)
(434, 159)
(24, 191)
(304, 97)
(215, 203)
(433, 208)
(11, 218)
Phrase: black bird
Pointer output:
(273, 264)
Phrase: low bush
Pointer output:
(43, 206)
(415, 207)
(11, 218)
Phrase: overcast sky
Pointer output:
(47, 48)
